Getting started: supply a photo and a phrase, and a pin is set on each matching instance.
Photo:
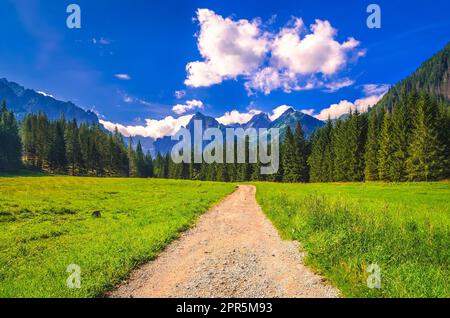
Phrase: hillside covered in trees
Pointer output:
(408, 143)
(405, 137)
(433, 77)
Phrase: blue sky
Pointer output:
(153, 42)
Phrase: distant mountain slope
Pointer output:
(165, 144)
(289, 118)
(25, 101)
(433, 76)
(258, 121)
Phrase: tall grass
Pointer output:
(403, 229)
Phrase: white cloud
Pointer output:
(229, 49)
(309, 112)
(373, 94)
(280, 110)
(155, 129)
(190, 105)
(336, 110)
(293, 59)
(180, 94)
(236, 117)
(45, 94)
(123, 77)
(375, 89)
(337, 85)
(317, 52)
(131, 99)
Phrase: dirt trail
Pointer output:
(233, 251)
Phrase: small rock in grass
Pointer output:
(96, 214)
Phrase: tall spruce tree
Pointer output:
(386, 151)
(288, 157)
(356, 144)
(73, 147)
(342, 150)
(317, 159)
(372, 147)
(10, 144)
(140, 161)
(300, 153)
(132, 169)
(425, 162)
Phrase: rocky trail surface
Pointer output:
(234, 251)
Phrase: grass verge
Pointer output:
(402, 228)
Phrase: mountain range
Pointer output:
(25, 101)
(289, 118)
(432, 76)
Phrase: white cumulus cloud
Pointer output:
(180, 109)
(236, 117)
(295, 58)
(229, 49)
(155, 129)
(373, 94)
(280, 110)
(309, 112)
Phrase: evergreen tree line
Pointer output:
(408, 142)
(10, 146)
(293, 165)
(66, 147)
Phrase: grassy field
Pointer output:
(403, 228)
(46, 224)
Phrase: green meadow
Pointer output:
(109, 226)
(402, 228)
(105, 226)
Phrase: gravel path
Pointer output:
(234, 251)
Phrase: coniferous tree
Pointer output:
(342, 150)
(73, 147)
(316, 158)
(386, 151)
(148, 165)
(11, 148)
(372, 147)
(132, 169)
(301, 154)
(140, 161)
(425, 162)
(444, 136)
(291, 172)
(256, 171)
(57, 151)
(158, 166)
(357, 135)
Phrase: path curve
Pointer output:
(233, 252)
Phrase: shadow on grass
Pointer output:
(22, 173)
